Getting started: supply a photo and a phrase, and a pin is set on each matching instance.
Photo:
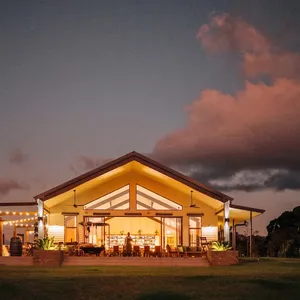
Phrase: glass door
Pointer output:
(195, 231)
(171, 232)
(94, 230)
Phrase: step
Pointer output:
(16, 261)
(132, 261)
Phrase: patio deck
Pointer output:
(113, 261)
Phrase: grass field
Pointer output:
(263, 279)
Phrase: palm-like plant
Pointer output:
(45, 243)
(220, 246)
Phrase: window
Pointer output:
(147, 200)
(195, 230)
(70, 229)
(116, 200)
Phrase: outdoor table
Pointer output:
(92, 250)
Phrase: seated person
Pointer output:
(168, 248)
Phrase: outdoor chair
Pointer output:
(182, 251)
(157, 251)
(204, 244)
(116, 251)
(136, 251)
(172, 252)
(146, 251)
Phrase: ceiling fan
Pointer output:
(74, 203)
(193, 204)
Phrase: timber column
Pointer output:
(226, 221)
(41, 232)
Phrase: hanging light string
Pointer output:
(24, 225)
(19, 221)
(16, 213)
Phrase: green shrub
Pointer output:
(46, 243)
(220, 246)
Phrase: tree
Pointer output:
(283, 239)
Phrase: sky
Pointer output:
(210, 88)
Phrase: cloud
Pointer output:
(248, 140)
(85, 163)
(284, 64)
(7, 185)
(260, 56)
(17, 156)
(225, 33)
(257, 127)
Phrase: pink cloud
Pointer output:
(257, 126)
(283, 64)
(225, 33)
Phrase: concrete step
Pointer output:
(16, 261)
(134, 261)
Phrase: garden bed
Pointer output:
(51, 258)
(222, 258)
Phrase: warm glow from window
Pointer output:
(210, 232)
(147, 200)
(116, 200)
(70, 229)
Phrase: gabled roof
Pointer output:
(123, 160)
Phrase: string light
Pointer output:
(19, 221)
(14, 213)
(24, 225)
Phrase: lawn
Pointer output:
(252, 279)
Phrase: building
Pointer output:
(135, 194)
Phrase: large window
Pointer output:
(195, 230)
(116, 200)
(147, 200)
(70, 229)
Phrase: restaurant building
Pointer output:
(136, 194)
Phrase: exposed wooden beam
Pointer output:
(219, 210)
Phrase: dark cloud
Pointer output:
(17, 156)
(7, 185)
(249, 140)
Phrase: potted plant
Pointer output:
(221, 254)
(46, 253)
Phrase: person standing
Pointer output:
(128, 245)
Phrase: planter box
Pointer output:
(223, 258)
(51, 258)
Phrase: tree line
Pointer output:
(282, 240)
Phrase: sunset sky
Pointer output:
(211, 88)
